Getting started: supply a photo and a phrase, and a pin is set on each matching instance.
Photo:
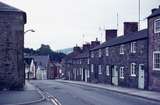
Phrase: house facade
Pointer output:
(131, 60)
(12, 74)
(154, 49)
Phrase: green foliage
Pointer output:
(45, 50)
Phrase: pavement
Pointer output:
(29, 95)
(150, 95)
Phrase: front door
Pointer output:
(114, 75)
(141, 76)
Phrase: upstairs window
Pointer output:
(92, 68)
(133, 69)
(121, 74)
(92, 54)
(99, 69)
(107, 51)
(99, 53)
(133, 47)
(122, 49)
(107, 70)
(156, 60)
(157, 26)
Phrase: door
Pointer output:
(141, 76)
(114, 75)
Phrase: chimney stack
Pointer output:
(95, 43)
(77, 49)
(110, 34)
(154, 9)
(130, 27)
(86, 47)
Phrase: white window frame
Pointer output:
(122, 49)
(99, 69)
(133, 47)
(107, 70)
(155, 26)
(107, 51)
(121, 72)
(88, 61)
(133, 69)
(92, 68)
(88, 74)
(155, 52)
(92, 54)
(99, 53)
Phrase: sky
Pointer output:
(65, 23)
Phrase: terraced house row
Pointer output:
(131, 60)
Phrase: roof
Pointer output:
(124, 39)
(83, 55)
(155, 13)
(41, 60)
(7, 8)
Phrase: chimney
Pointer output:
(95, 43)
(86, 47)
(110, 34)
(130, 27)
(77, 49)
(154, 9)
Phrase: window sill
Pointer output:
(156, 69)
(121, 53)
(121, 77)
(133, 75)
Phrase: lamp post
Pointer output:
(29, 30)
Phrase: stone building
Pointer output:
(12, 20)
(154, 49)
(131, 60)
(121, 60)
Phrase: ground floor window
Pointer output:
(99, 69)
(156, 60)
(92, 68)
(133, 69)
(121, 73)
(107, 70)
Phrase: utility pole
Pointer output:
(139, 14)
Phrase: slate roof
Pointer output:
(124, 39)
(83, 55)
(155, 13)
(7, 8)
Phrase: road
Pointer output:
(72, 94)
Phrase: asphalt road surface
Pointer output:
(72, 94)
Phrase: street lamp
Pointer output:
(29, 30)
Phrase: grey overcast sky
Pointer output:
(62, 23)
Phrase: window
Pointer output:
(133, 69)
(121, 74)
(80, 71)
(99, 53)
(88, 75)
(92, 68)
(157, 26)
(80, 62)
(156, 60)
(107, 70)
(92, 54)
(88, 61)
(107, 51)
(121, 49)
(133, 47)
(99, 69)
